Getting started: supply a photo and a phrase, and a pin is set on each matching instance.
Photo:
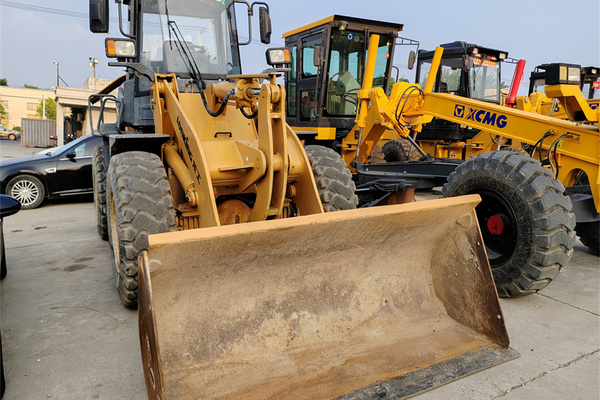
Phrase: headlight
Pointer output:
(279, 56)
(557, 74)
(120, 48)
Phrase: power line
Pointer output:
(47, 10)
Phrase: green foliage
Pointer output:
(3, 82)
(3, 113)
(30, 86)
(50, 108)
(16, 128)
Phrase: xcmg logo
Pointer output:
(481, 116)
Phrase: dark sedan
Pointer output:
(57, 172)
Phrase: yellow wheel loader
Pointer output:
(245, 287)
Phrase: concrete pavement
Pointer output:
(66, 335)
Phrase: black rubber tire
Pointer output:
(376, 156)
(140, 204)
(589, 234)
(399, 150)
(99, 178)
(535, 239)
(333, 179)
(12, 136)
(28, 190)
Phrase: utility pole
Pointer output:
(93, 63)
(57, 73)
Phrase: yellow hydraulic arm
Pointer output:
(236, 159)
(574, 146)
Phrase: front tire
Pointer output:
(524, 218)
(141, 204)
(28, 190)
(333, 179)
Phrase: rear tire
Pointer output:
(333, 179)
(589, 234)
(28, 190)
(99, 176)
(140, 205)
(399, 150)
(524, 218)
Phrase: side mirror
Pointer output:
(265, 25)
(99, 16)
(318, 56)
(70, 155)
(412, 57)
(8, 206)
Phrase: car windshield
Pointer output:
(207, 28)
(57, 150)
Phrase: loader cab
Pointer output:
(326, 73)
(587, 78)
(193, 39)
(467, 70)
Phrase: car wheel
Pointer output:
(28, 190)
(12, 136)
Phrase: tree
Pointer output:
(30, 86)
(3, 82)
(3, 113)
(50, 108)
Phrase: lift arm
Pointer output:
(574, 147)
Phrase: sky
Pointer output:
(35, 33)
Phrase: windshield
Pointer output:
(208, 31)
(347, 67)
(484, 78)
(56, 150)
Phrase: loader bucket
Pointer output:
(359, 304)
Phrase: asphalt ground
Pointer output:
(65, 334)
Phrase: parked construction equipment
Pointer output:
(389, 300)
(524, 255)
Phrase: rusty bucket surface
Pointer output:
(384, 301)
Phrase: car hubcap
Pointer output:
(26, 192)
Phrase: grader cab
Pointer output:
(245, 287)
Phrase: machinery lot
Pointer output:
(66, 335)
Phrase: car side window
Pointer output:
(79, 150)
(90, 146)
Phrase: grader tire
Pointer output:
(589, 234)
(399, 150)
(376, 156)
(524, 218)
(99, 175)
(333, 179)
(141, 204)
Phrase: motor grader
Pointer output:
(520, 264)
(214, 212)
(524, 216)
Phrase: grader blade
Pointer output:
(359, 304)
